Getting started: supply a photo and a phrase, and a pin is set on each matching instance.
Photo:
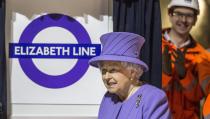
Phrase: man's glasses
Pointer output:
(181, 15)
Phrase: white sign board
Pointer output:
(39, 80)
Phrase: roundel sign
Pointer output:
(26, 50)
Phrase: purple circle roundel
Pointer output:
(28, 35)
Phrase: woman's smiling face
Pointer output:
(116, 78)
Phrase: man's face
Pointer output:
(115, 77)
(182, 20)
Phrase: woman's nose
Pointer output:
(107, 75)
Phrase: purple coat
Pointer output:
(148, 102)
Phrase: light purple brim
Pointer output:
(94, 61)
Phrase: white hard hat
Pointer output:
(185, 3)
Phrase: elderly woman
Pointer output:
(127, 97)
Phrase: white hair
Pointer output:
(134, 67)
(128, 66)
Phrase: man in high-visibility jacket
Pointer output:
(206, 108)
(181, 61)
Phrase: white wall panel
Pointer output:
(28, 100)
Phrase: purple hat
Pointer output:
(120, 46)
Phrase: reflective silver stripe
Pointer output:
(178, 86)
(173, 85)
(207, 117)
(205, 83)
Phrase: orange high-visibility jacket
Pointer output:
(204, 74)
(184, 95)
(206, 108)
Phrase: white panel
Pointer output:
(61, 111)
(24, 90)
(49, 117)
(27, 100)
